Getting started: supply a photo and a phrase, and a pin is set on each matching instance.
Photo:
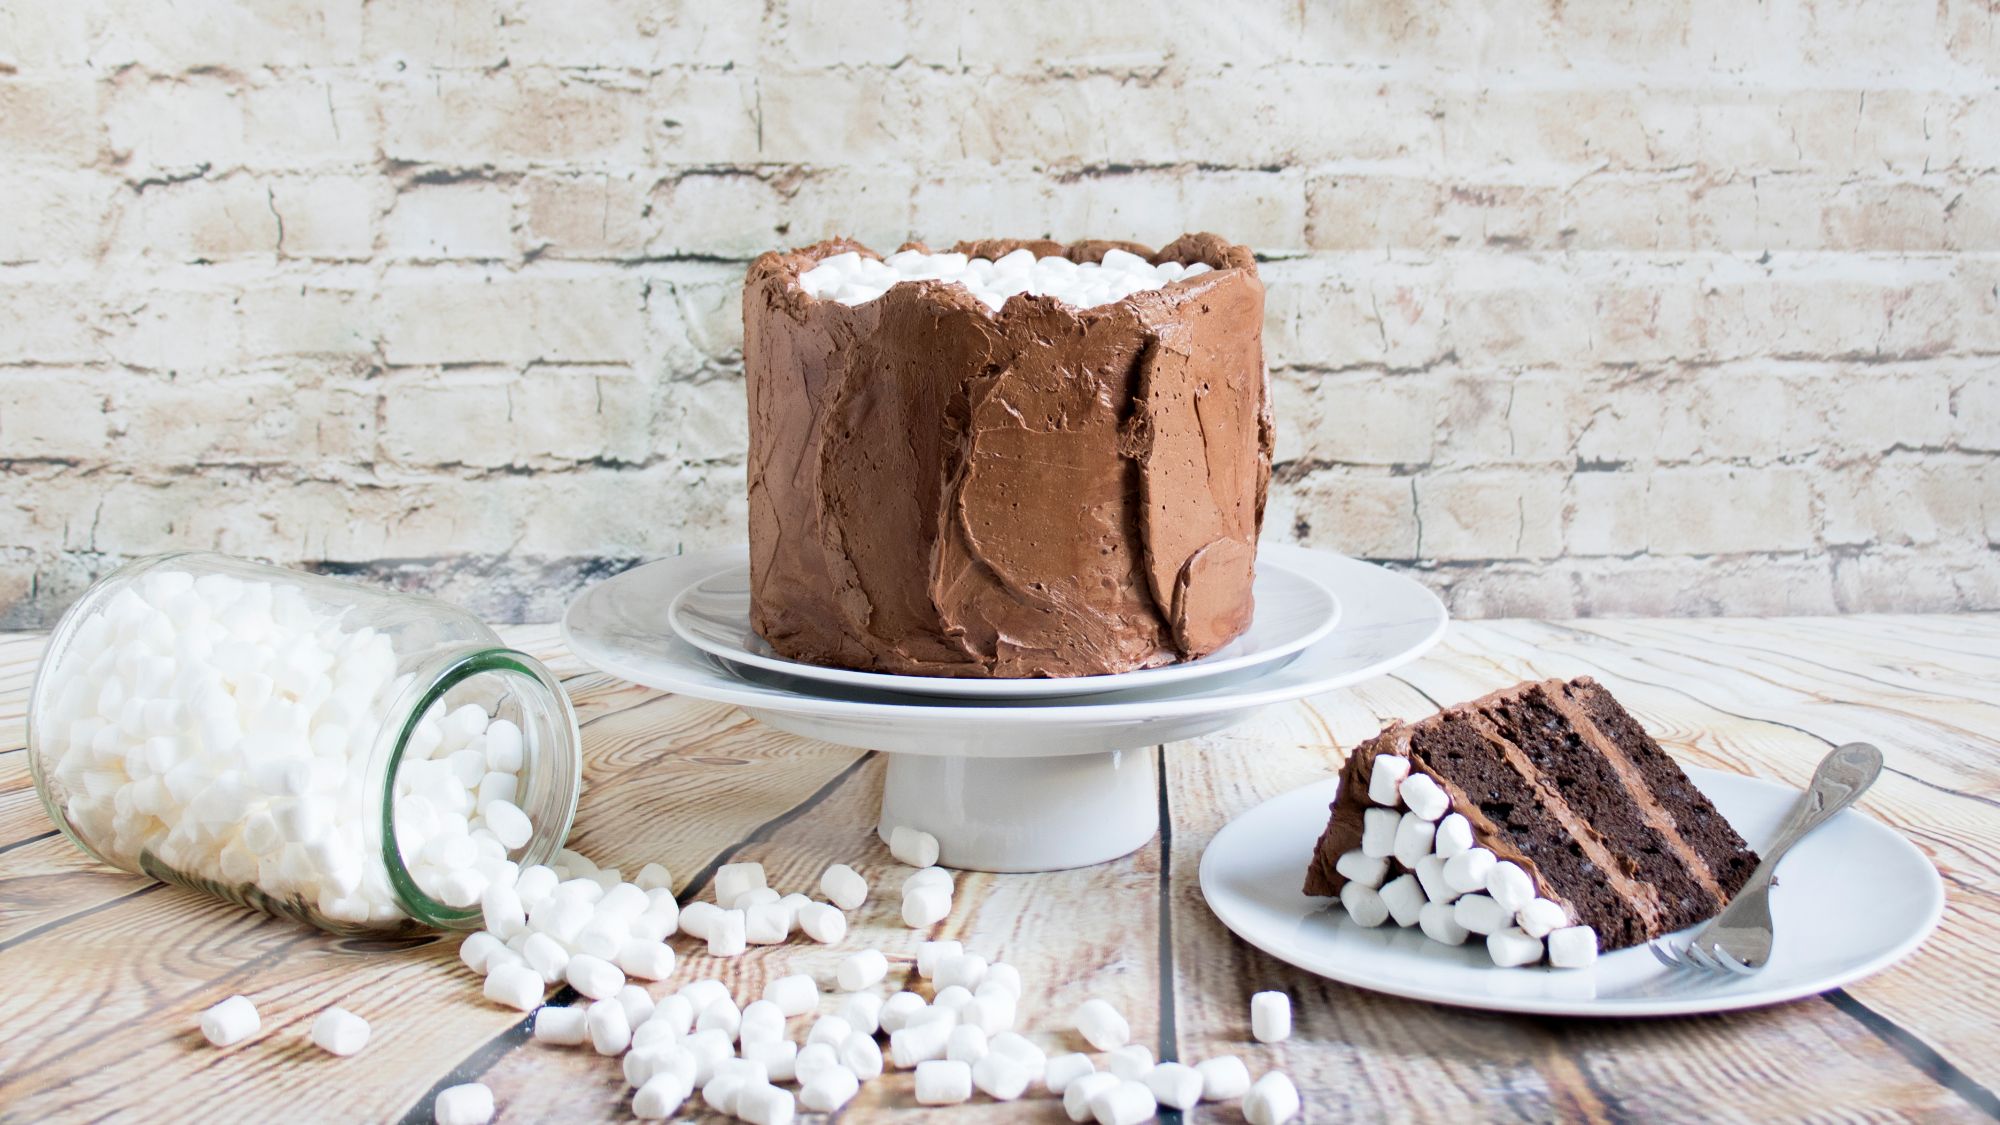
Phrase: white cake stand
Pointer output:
(1008, 785)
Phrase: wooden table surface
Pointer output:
(104, 972)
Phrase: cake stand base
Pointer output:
(1026, 814)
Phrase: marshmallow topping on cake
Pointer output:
(1012, 459)
(1542, 818)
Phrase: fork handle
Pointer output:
(1841, 778)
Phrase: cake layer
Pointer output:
(1560, 780)
(937, 488)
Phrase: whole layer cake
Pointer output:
(1542, 817)
(941, 487)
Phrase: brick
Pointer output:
(1345, 316)
(1874, 411)
(175, 127)
(1743, 415)
(1510, 590)
(1013, 199)
(283, 321)
(1513, 311)
(513, 118)
(271, 418)
(60, 414)
(1509, 418)
(829, 118)
(453, 220)
(163, 323)
(1355, 512)
(1722, 511)
(869, 204)
(1887, 217)
(1751, 213)
(49, 120)
(1906, 582)
(329, 218)
(704, 420)
(694, 319)
(1605, 514)
(70, 213)
(225, 34)
(1819, 310)
(1370, 212)
(456, 418)
(1355, 419)
(443, 34)
(454, 317)
(812, 34)
(718, 214)
(1490, 514)
(1975, 410)
(1899, 504)
(705, 117)
(1972, 215)
(200, 221)
(318, 121)
(1263, 210)
(1619, 128)
(594, 215)
(566, 414)
(46, 322)
(44, 36)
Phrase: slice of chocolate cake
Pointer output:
(1539, 814)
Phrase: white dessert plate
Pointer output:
(1852, 899)
(1293, 611)
(1009, 784)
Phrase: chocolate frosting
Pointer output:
(938, 489)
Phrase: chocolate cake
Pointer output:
(1534, 813)
(938, 487)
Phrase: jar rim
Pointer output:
(437, 677)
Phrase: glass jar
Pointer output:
(306, 746)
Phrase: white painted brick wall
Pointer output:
(1679, 306)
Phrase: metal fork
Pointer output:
(1738, 940)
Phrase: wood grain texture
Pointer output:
(109, 970)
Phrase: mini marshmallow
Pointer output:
(654, 877)
(1405, 898)
(919, 1042)
(951, 998)
(546, 956)
(1272, 1100)
(844, 887)
(1359, 867)
(1378, 832)
(914, 847)
(1078, 1094)
(1439, 921)
(646, 960)
(1021, 1049)
(766, 923)
(764, 1104)
(701, 993)
(1573, 947)
(1102, 1026)
(560, 1027)
(675, 1011)
(929, 876)
(476, 948)
(823, 922)
(1001, 1077)
(609, 1028)
(1481, 915)
(862, 1055)
(593, 976)
(829, 1089)
(1224, 1078)
(1065, 1069)
(637, 1002)
(926, 906)
(1424, 797)
(516, 986)
(896, 1011)
(1001, 975)
(862, 1011)
(721, 1015)
(1510, 947)
(1175, 1085)
(943, 1082)
(1466, 872)
(778, 1057)
(467, 1104)
(794, 995)
(1271, 1017)
(1385, 776)
(966, 970)
(732, 880)
(993, 1010)
(1430, 875)
(861, 970)
(1364, 904)
(1539, 917)
(1510, 885)
(755, 896)
(1128, 1103)
(966, 1043)
(1132, 1062)
(696, 917)
(338, 1031)
(232, 1021)
(760, 1020)
(830, 1030)
(932, 953)
(727, 936)
(1454, 835)
(814, 1058)
(661, 1097)
(1414, 839)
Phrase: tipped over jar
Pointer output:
(361, 760)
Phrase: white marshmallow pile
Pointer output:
(226, 726)
(1448, 886)
(853, 279)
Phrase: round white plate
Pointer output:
(1852, 899)
(1292, 612)
(620, 625)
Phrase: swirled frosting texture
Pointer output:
(938, 489)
